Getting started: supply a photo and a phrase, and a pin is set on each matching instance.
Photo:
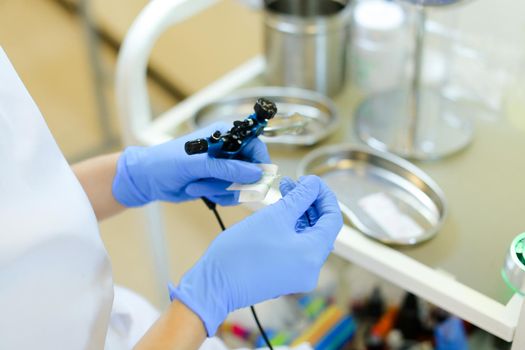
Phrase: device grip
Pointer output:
(196, 146)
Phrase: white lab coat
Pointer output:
(55, 278)
(56, 288)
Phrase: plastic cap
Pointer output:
(378, 20)
(196, 146)
(264, 109)
(379, 15)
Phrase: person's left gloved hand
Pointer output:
(309, 218)
(165, 172)
(265, 255)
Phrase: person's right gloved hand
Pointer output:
(165, 172)
(263, 256)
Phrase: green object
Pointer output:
(315, 307)
(509, 283)
(513, 271)
(520, 249)
(281, 338)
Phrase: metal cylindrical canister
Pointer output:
(306, 43)
(513, 271)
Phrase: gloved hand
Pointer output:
(165, 172)
(263, 256)
(309, 218)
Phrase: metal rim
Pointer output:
(399, 162)
(293, 24)
(313, 97)
(290, 23)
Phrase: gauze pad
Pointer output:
(256, 192)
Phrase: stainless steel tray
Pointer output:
(316, 109)
(384, 196)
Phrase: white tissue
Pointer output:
(256, 192)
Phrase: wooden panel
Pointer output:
(194, 53)
(47, 48)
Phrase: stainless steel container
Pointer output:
(385, 197)
(306, 43)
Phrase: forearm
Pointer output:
(96, 177)
(178, 328)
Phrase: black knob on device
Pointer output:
(196, 146)
(215, 137)
(264, 109)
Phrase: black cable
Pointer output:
(213, 207)
(219, 219)
(261, 329)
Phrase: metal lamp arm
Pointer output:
(131, 90)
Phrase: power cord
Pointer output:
(261, 329)
(213, 207)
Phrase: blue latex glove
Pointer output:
(263, 256)
(165, 172)
(309, 218)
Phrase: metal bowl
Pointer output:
(317, 114)
(384, 196)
